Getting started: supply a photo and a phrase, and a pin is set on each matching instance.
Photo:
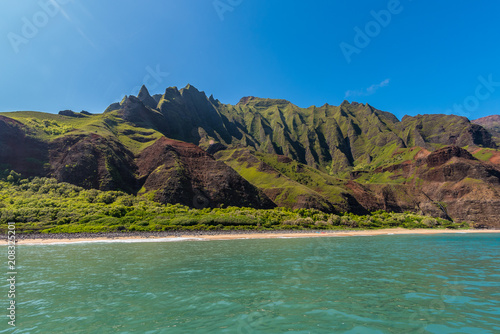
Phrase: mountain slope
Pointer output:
(489, 122)
(492, 124)
(179, 172)
(98, 157)
(329, 138)
(184, 147)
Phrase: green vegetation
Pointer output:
(49, 127)
(332, 158)
(286, 180)
(46, 206)
(484, 154)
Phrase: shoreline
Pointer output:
(47, 239)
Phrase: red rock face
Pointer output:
(87, 161)
(178, 172)
(492, 124)
(19, 152)
(467, 187)
(183, 173)
(443, 155)
(92, 161)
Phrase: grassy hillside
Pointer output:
(332, 139)
(49, 127)
(46, 206)
(288, 183)
(184, 147)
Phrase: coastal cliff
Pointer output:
(184, 147)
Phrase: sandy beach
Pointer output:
(222, 235)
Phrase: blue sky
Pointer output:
(418, 57)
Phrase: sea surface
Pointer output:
(363, 284)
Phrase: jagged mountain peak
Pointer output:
(246, 99)
(191, 94)
(190, 87)
(380, 158)
(146, 98)
(191, 90)
(357, 105)
(319, 137)
(262, 102)
(143, 92)
(171, 92)
(188, 92)
(346, 103)
(213, 100)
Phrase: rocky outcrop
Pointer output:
(447, 182)
(441, 156)
(179, 172)
(332, 138)
(71, 113)
(19, 151)
(93, 161)
(146, 99)
(214, 148)
(134, 111)
(426, 130)
(351, 157)
(174, 171)
(491, 123)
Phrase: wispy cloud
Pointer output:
(80, 31)
(63, 12)
(75, 24)
(368, 91)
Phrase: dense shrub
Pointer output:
(44, 205)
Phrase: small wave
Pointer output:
(176, 239)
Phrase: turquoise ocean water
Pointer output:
(378, 284)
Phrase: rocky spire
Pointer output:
(146, 98)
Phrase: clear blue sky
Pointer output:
(88, 54)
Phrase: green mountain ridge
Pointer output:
(351, 157)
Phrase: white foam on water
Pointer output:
(138, 240)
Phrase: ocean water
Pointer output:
(363, 284)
